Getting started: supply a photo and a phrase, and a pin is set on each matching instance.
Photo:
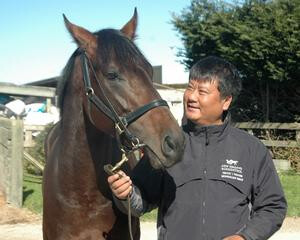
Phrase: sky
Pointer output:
(35, 45)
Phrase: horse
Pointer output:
(109, 107)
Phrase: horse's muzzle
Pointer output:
(172, 148)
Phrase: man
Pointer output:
(225, 187)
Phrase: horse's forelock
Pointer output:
(112, 44)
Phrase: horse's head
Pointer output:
(117, 80)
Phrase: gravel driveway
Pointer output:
(21, 224)
(33, 231)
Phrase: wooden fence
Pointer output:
(11, 161)
(281, 164)
(14, 137)
(12, 144)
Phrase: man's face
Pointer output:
(203, 104)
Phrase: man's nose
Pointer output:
(193, 96)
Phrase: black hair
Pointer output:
(217, 69)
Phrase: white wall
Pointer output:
(174, 99)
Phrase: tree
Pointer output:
(262, 38)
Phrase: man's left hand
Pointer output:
(234, 237)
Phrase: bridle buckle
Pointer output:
(119, 129)
(89, 91)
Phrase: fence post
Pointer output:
(17, 163)
(48, 104)
(11, 160)
(298, 137)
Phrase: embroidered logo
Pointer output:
(230, 162)
(232, 170)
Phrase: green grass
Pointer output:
(32, 195)
(150, 217)
(291, 185)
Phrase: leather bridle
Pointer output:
(121, 122)
(105, 106)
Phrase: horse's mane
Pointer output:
(63, 83)
(113, 45)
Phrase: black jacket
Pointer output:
(225, 184)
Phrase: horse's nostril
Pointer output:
(169, 145)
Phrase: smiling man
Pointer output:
(225, 187)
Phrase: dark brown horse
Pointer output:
(106, 69)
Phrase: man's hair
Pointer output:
(217, 69)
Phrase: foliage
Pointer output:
(262, 38)
(291, 154)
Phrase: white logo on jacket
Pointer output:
(230, 162)
(232, 170)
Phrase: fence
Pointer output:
(11, 164)
(14, 138)
(13, 141)
(281, 164)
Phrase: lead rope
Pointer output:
(111, 170)
(129, 217)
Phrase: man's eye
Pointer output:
(203, 92)
(112, 76)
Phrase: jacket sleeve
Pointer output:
(146, 192)
(268, 202)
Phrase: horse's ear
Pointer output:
(129, 28)
(84, 38)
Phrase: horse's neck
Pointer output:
(83, 149)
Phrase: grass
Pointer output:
(32, 194)
(291, 184)
(150, 217)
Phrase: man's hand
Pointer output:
(120, 184)
(234, 237)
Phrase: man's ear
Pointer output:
(226, 102)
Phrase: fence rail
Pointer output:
(29, 130)
(281, 164)
(249, 126)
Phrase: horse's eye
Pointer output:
(112, 76)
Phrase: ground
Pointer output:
(21, 224)
(11, 215)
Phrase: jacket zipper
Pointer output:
(205, 185)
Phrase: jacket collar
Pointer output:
(211, 133)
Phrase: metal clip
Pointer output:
(111, 170)
(136, 144)
(89, 91)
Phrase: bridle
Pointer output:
(105, 106)
(126, 140)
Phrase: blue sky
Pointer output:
(35, 44)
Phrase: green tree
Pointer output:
(262, 38)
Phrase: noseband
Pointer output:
(105, 106)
